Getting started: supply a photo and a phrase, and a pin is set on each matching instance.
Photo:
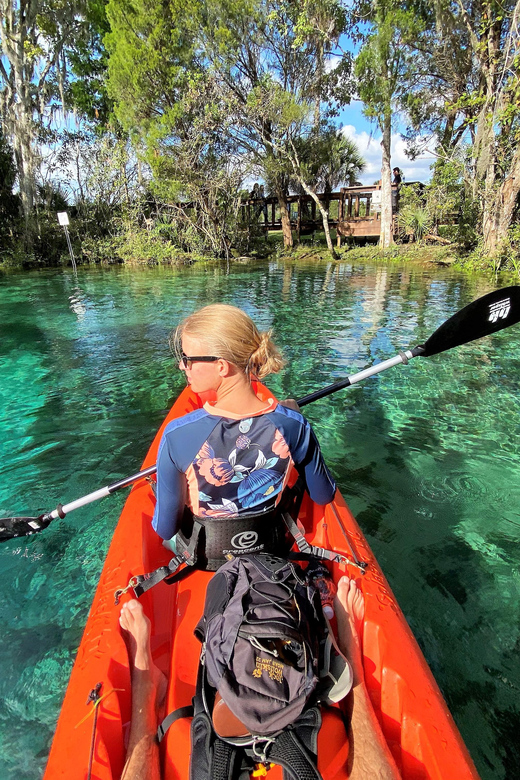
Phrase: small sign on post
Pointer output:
(63, 219)
(375, 205)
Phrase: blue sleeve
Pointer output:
(179, 445)
(171, 493)
(306, 454)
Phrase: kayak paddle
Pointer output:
(493, 312)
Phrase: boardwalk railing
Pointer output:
(353, 211)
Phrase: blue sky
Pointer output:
(368, 139)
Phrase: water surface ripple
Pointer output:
(427, 456)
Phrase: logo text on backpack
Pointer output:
(273, 668)
(244, 540)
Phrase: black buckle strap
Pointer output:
(181, 712)
(310, 549)
(140, 583)
(143, 582)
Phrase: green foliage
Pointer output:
(137, 247)
(9, 202)
(414, 219)
(328, 159)
(88, 59)
(451, 202)
(384, 66)
(445, 193)
(445, 206)
(508, 257)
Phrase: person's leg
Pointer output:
(369, 755)
(148, 690)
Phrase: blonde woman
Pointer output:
(232, 458)
(228, 460)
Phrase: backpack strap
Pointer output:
(295, 749)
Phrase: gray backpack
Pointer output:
(261, 627)
(267, 662)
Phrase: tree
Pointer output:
(166, 97)
(33, 73)
(88, 58)
(468, 89)
(331, 159)
(319, 24)
(493, 33)
(250, 62)
(270, 74)
(383, 72)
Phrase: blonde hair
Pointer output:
(230, 334)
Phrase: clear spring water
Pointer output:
(428, 457)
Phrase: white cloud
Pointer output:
(370, 147)
(332, 62)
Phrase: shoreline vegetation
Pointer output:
(140, 251)
(150, 122)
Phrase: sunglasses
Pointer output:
(187, 361)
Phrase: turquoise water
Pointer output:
(428, 457)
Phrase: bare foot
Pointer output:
(350, 610)
(136, 631)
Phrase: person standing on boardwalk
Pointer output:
(396, 193)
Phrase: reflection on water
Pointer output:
(427, 456)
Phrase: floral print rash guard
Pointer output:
(221, 465)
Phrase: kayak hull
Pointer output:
(90, 741)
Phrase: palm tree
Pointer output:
(331, 159)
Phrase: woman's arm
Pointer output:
(171, 494)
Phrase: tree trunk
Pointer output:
(386, 236)
(318, 77)
(324, 215)
(499, 209)
(285, 220)
(20, 117)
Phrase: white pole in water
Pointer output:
(63, 219)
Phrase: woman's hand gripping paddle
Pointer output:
(487, 315)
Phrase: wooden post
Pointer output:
(299, 218)
(341, 215)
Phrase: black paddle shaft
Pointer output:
(487, 315)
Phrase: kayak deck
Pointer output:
(414, 718)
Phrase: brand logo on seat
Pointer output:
(244, 540)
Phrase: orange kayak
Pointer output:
(89, 743)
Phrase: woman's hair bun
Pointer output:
(229, 333)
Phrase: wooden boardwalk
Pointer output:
(354, 212)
